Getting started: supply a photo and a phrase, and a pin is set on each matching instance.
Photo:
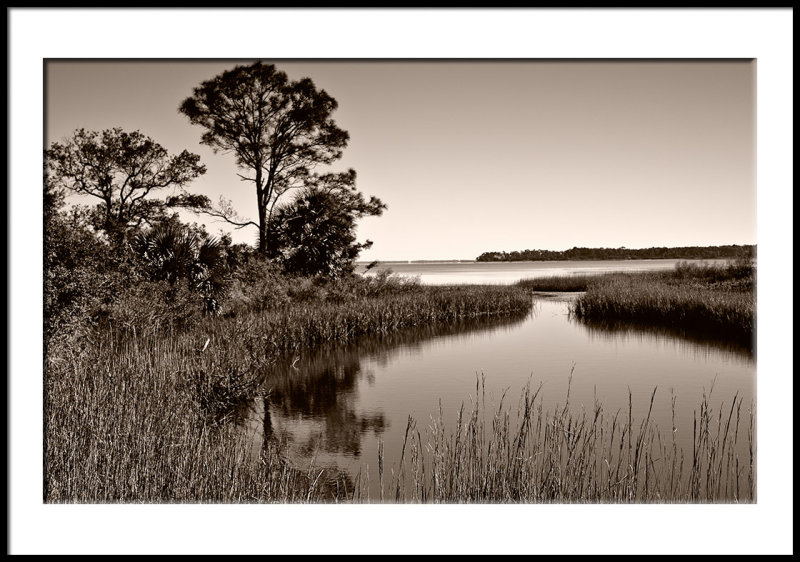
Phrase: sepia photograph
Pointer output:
(343, 281)
(336, 282)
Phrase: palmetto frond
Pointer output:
(173, 251)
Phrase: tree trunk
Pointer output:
(262, 230)
(262, 213)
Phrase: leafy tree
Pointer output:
(315, 233)
(278, 130)
(121, 169)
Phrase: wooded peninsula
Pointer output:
(732, 251)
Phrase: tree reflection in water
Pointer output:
(311, 408)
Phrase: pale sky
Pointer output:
(475, 156)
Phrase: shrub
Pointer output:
(148, 307)
(257, 285)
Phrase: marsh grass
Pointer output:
(313, 323)
(144, 414)
(530, 455)
(124, 423)
(700, 298)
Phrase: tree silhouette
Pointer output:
(121, 169)
(278, 131)
(315, 233)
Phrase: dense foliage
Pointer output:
(684, 253)
(171, 252)
(315, 233)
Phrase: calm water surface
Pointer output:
(439, 273)
(334, 406)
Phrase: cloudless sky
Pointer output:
(475, 156)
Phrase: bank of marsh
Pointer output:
(142, 411)
(699, 298)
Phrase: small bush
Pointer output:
(257, 285)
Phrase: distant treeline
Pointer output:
(688, 252)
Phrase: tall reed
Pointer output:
(533, 455)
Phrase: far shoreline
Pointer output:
(417, 262)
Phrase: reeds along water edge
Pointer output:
(529, 455)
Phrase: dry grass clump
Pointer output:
(699, 298)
